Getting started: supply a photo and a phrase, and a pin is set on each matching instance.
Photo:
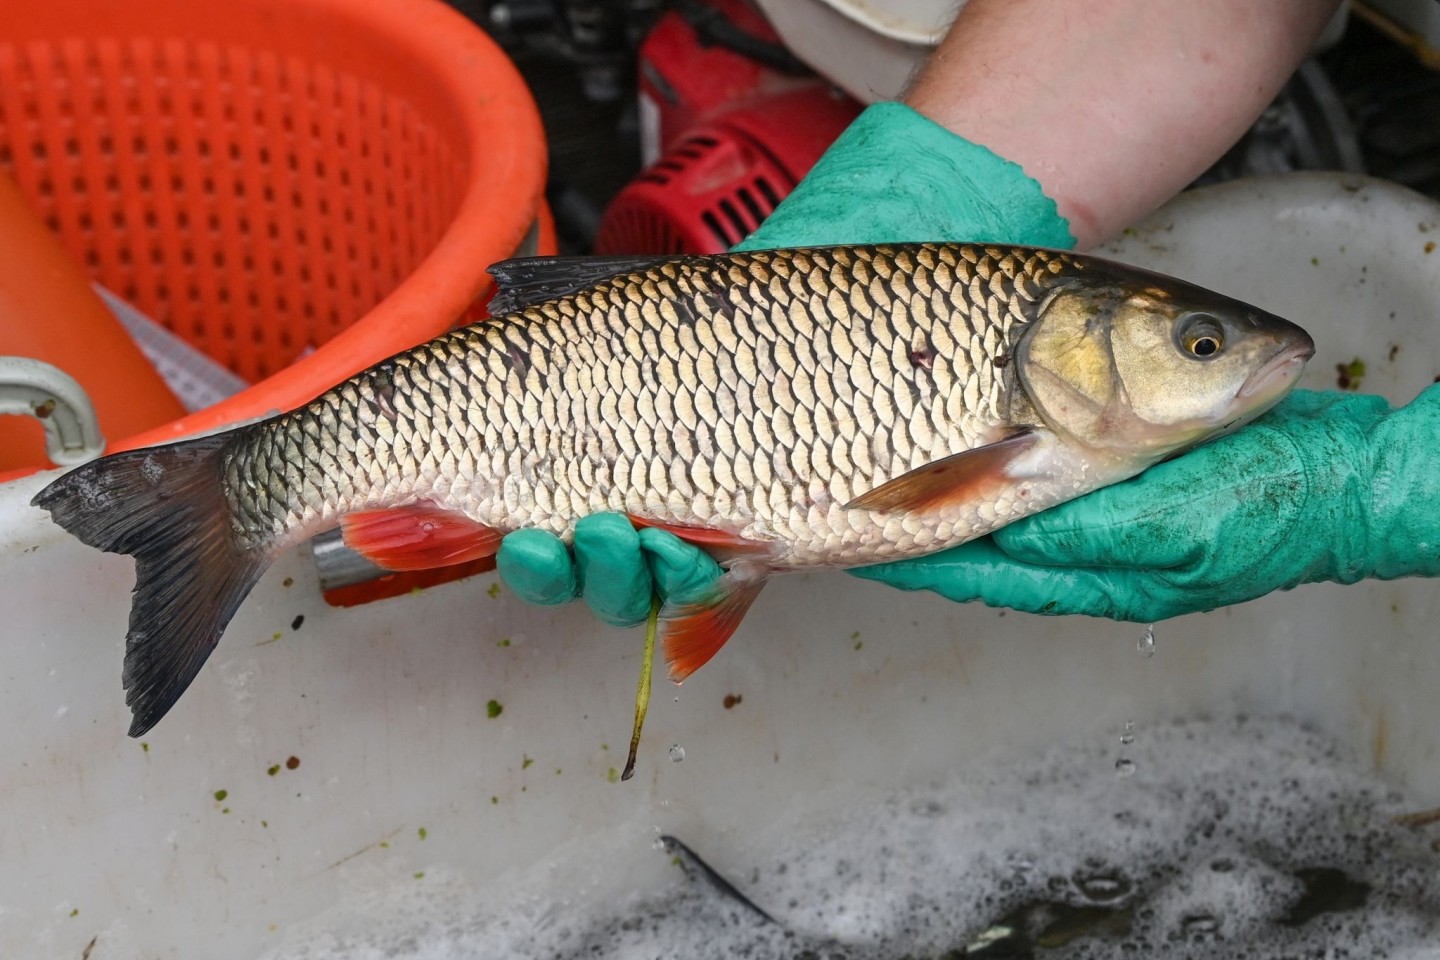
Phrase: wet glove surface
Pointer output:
(893, 175)
(1327, 486)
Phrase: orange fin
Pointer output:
(965, 476)
(420, 536)
(695, 632)
(719, 544)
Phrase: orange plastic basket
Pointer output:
(269, 176)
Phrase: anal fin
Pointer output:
(420, 536)
(694, 632)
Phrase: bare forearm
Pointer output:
(1113, 105)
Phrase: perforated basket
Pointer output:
(272, 177)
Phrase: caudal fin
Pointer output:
(165, 507)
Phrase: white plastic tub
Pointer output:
(846, 689)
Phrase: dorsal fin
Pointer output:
(524, 281)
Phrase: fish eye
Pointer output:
(1201, 336)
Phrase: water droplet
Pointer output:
(1102, 887)
(1125, 767)
(677, 752)
(1199, 924)
(1128, 737)
(1146, 644)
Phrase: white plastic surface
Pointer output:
(847, 688)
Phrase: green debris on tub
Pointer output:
(1349, 374)
(273, 769)
(612, 775)
(75, 911)
(503, 642)
(493, 709)
(419, 874)
(526, 760)
(495, 801)
(422, 833)
(221, 795)
(494, 590)
(144, 747)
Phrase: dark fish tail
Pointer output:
(166, 507)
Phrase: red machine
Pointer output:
(730, 122)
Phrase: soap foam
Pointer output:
(1233, 838)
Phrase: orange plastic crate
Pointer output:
(270, 176)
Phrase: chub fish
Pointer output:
(783, 409)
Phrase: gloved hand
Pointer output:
(892, 176)
(1326, 487)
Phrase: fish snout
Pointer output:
(1281, 371)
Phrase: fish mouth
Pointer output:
(1279, 374)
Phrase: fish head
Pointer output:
(1139, 367)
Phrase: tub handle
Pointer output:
(52, 396)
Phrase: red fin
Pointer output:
(955, 479)
(695, 632)
(719, 544)
(420, 536)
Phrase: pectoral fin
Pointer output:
(965, 477)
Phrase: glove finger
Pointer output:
(614, 578)
(683, 572)
(981, 571)
(537, 567)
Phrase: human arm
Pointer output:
(1113, 106)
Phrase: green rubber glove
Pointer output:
(893, 175)
(1326, 487)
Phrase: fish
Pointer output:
(791, 409)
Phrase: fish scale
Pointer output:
(782, 409)
(793, 370)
